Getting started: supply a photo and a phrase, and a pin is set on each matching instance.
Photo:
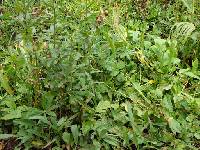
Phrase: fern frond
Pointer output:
(182, 29)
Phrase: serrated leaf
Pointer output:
(62, 121)
(5, 83)
(183, 29)
(188, 73)
(10, 102)
(111, 140)
(121, 32)
(12, 115)
(42, 118)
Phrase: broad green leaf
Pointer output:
(197, 136)
(195, 65)
(47, 100)
(62, 121)
(166, 103)
(174, 125)
(135, 35)
(96, 144)
(87, 126)
(114, 106)
(160, 42)
(66, 137)
(103, 106)
(130, 114)
(197, 100)
(132, 119)
(189, 4)
(103, 88)
(75, 133)
(6, 136)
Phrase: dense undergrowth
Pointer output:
(94, 75)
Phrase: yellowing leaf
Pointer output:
(125, 106)
(1, 145)
(37, 144)
(151, 81)
(140, 56)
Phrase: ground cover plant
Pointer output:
(100, 75)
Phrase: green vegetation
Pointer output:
(100, 75)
